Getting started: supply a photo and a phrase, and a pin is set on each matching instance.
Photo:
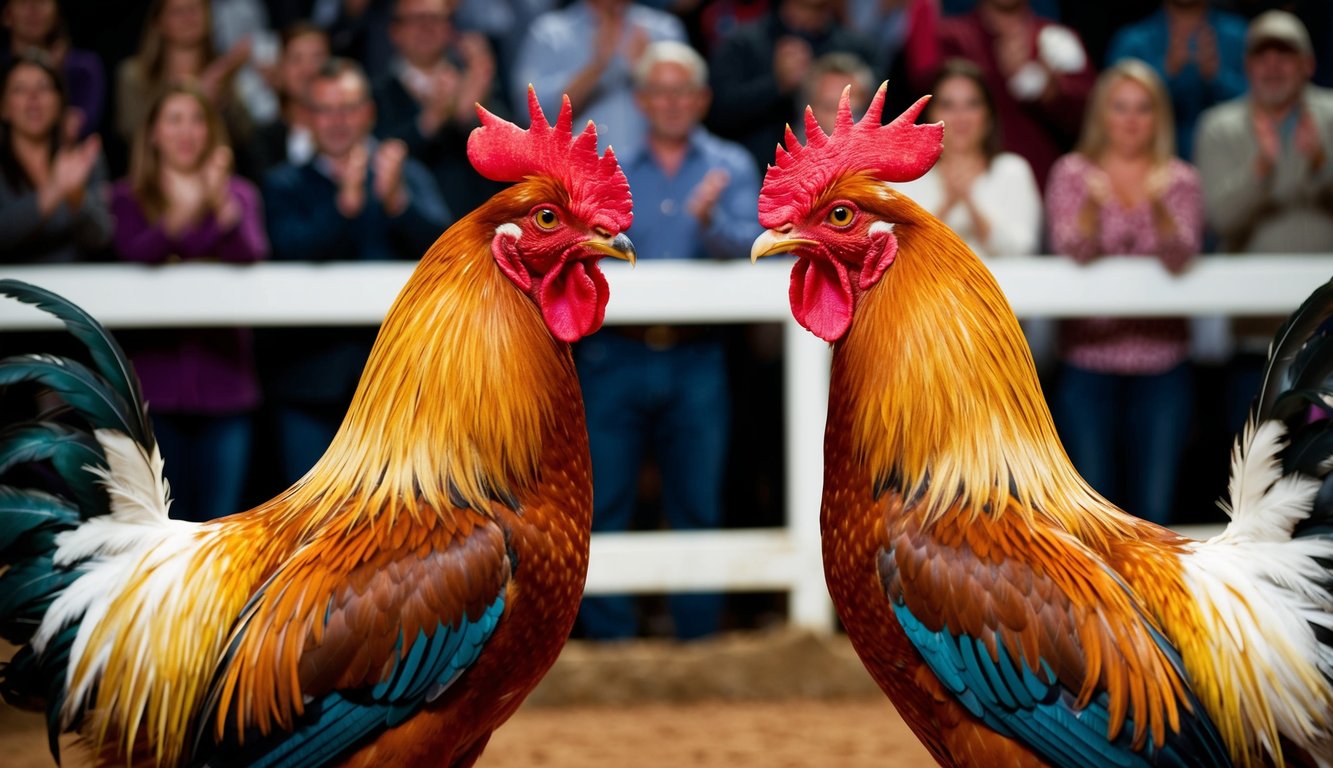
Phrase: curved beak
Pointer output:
(618, 247)
(772, 242)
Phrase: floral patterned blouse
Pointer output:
(1124, 345)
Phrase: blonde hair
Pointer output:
(1092, 142)
(145, 162)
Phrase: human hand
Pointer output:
(70, 169)
(351, 177)
(1308, 141)
(606, 40)
(216, 173)
(792, 59)
(1013, 47)
(1205, 52)
(1268, 143)
(387, 176)
(478, 73)
(1157, 183)
(439, 99)
(1178, 53)
(703, 199)
(214, 77)
(71, 124)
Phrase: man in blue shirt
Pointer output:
(662, 390)
(356, 200)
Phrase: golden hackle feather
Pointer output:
(980, 423)
(459, 419)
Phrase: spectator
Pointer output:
(988, 196)
(182, 203)
(429, 98)
(1036, 69)
(758, 71)
(176, 46)
(1198, 51)
(305, 48)
(355, 201)
(243, 26)
(52, 196)
(663, 389)
(557, 57)
(1123, 399)
(1267, 179)
(37, 24)
(822, 91)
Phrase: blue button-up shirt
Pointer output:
(664, 229)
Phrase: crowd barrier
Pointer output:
(785, 559)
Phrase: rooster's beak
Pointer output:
(772, 241)
(618, 247)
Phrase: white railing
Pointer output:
(780, 559)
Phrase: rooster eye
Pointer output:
(840, 216)
(546, 218)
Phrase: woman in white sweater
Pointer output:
(990, 198)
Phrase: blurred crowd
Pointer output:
(335, 130)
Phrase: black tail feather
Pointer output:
(107, 356)
(1299, 352)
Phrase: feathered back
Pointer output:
(598, 190)
(899, 151)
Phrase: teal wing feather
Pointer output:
(397, 629)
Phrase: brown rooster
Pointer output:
(1012, 615)
(398, 603)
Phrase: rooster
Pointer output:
(1012, 615)
(397, 603)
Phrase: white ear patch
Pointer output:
(509, 229)
(881, 227)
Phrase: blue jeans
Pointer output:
(1126, 434)
(673, 404)
(206, 460)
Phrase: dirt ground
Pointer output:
(779, 699)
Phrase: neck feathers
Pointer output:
(460, 387)
(943, 390)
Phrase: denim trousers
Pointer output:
(673, 404)
(206, 460)
(1126, 434)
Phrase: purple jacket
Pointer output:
(204, 370)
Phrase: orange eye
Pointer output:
(546, 218)
(840, 216)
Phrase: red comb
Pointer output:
(598, 190)
(899, 151)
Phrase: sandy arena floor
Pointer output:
(761, 699)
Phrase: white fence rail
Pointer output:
(781, 559)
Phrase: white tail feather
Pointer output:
(1263, 504)
(133, 479)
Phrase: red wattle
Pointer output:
(821, 298)
(573, 300)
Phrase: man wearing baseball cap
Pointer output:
(1264, 164)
